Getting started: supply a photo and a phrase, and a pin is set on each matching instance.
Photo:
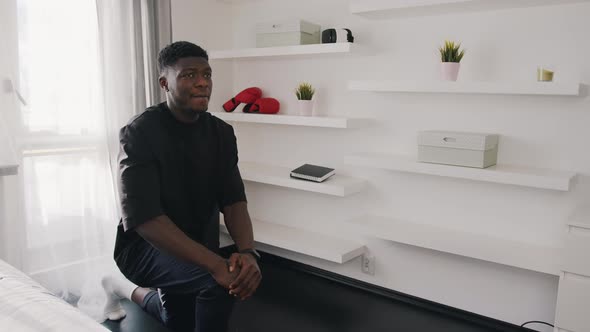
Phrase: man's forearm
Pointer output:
(239, 225)
(163, 234)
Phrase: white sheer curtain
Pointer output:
(86, 67)
(132, 32)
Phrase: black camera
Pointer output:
(337, 36)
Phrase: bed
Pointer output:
(26, 306)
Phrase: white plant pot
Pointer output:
(449, 70)
(305, 107)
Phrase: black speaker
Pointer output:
(337, 36)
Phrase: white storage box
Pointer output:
(458, 148)
(285, 33)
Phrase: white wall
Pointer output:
(548, 132)
(207, 23)
(8, 113)
(8, 77)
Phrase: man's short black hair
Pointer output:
(170, 54)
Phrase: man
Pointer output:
(178, 170)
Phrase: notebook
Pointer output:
(312, 173)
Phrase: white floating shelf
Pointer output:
(336, 185)
(261, 52)
(498, 88)
(6, 170)
(580, 217)
(237, 2)
(534, 257)
(505, 174)
(293, 120)
(305, 242)
(379, 9)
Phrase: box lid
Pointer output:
(287, 26)
(458, 140)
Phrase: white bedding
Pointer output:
(26, 306)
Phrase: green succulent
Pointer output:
(450, 52)
(304, 91)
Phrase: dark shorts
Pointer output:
(187, 296)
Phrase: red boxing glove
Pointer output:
(247, 96)
(263, 106)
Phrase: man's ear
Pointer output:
(163, 83)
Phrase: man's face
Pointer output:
(189, 84)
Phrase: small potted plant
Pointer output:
(304, 93)
(451, 57)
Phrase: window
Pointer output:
(68, 190)
(58, 52)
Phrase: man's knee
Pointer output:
(213, 309)
(216, 295)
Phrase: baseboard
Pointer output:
(480, 320)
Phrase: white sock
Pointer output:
(117, 287)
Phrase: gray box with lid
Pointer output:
(286, 33)
(458, 148)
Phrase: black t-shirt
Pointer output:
(185, 171)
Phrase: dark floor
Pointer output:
(136, 321)
(291, 300)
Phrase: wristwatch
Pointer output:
(252, 252)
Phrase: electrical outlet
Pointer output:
(368, 264)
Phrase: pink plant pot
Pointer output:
(449, 70)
